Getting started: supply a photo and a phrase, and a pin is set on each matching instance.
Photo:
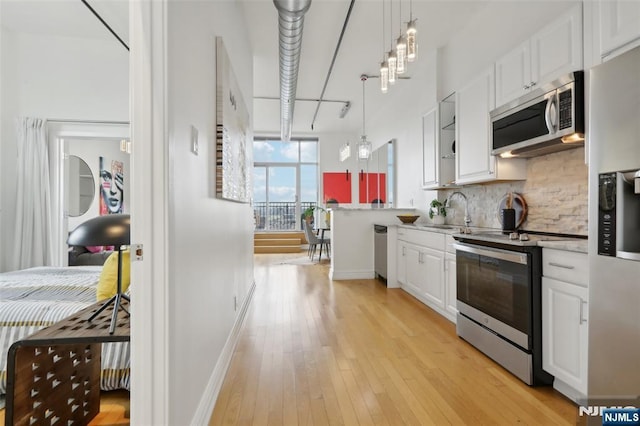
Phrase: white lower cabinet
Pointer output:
(401, 261)
(433, 265)
(414, 268)
(450, 283)
(421, 270)
(564, 323)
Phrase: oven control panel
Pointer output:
(607, 214)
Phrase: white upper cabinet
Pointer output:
(430, 150)
(551, 52)
(438, 145)
(619, 25)
(557, 48)
(513, 74)
(474, 162)
(473, 103)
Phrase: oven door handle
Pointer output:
(507, 255)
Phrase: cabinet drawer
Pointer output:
(566, 266)
(434, 240)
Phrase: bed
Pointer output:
(35, 298)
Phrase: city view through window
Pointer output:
(285, 182)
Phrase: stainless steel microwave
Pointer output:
(548, 119)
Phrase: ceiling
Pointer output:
(66, 18)
(360, 52)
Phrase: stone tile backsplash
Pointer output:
(556, 193)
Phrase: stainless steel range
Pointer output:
(499, 299)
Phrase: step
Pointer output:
(277, 242)
(278, 235)
(277, 249)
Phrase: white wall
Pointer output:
(210, 240)
(54, 78)
(401, 119)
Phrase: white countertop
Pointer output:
(569, 244)
(577, 245)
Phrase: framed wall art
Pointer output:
(232, 170)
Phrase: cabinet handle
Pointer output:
(582, 303)
(533, 83)
(404, 250)
(526, 86)
(559, 265)
(420, 257)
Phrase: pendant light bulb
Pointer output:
(412, 47)
(384, 76)
(392, 62)
(364, 146)
(401, 55)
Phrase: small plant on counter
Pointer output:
(437, 208)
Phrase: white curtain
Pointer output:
(33, 245)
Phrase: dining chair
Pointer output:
(314, 241)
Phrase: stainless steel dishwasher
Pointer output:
(380, 251)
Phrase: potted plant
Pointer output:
(309, 213)
(437, 211)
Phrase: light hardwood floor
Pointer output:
(313, 351)
(114, 410)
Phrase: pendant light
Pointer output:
(364, 146)
(391, 57)
(412, 47)
(384, 65)
(401, 47)
(384, 76)
(392, 62)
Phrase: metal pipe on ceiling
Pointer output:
(333, 61)
(290, 23)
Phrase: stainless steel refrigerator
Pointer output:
(614, 231)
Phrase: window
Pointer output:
(285, 181)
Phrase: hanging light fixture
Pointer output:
(364, 146)
(392, 62)
(384, 65)
(391, 56)
(384, 76)
(401, 47)
(412, 47)
(345, 151)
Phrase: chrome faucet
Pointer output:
(467, 218)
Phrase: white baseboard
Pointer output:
(351, 275)
(211, 392)
(448, 315)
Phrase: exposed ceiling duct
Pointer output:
(291, 22)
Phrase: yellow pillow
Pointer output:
(108, 284)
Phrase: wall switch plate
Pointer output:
(194, 140)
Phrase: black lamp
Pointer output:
(107, 230)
